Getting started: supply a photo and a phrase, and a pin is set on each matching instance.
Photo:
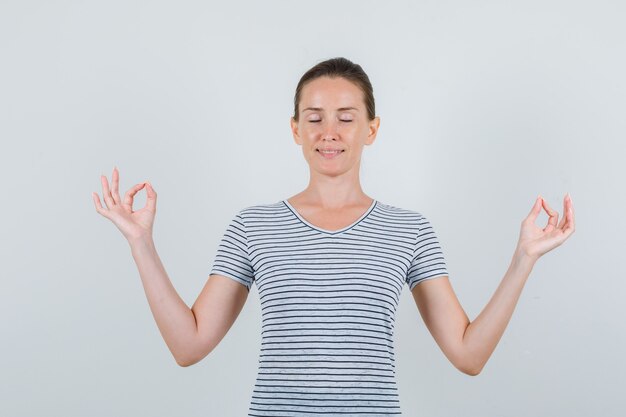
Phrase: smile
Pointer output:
(329, 154)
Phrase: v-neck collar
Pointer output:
(332, 232)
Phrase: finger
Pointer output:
(130, 194)
(96, 201)
(553, 217)
(570, 226)
(106, 193)
(151, 200)
(534, 212)
(564, 219)
(571, 206)
(115, 184)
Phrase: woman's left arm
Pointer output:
(468, 345)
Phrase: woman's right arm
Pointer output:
(190, 334)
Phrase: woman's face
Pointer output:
(332, 116)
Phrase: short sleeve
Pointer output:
(232, 259)
(428, 259)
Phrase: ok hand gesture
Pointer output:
(134, 225)
(535, 240)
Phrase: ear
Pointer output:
(373, 130)
(294, 130)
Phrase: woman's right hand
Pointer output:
(134, 225)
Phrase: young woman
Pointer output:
(329, 264)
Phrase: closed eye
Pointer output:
(317, 121)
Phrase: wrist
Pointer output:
(523, 259)
(141, 243)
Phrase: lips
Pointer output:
(330, 153)
(329, 150)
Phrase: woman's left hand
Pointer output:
(535, 241)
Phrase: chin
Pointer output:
(329, 171)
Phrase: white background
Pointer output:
(483, 106)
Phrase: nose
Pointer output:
(329, 132)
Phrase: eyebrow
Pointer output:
(319, 108)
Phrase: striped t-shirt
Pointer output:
(328, 301)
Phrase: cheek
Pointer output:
(314, 128)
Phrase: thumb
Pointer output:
(151, 199)
(534, 212)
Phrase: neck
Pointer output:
(333, 192)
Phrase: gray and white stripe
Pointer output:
(328, 302)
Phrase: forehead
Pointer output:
(331, 92)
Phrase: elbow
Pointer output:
(187, 357)
(191, 357)
(468, 362)
(469, 368)
(184, 362)
(471, 371)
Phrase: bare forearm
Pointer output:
(174, 318)
(483, 334)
